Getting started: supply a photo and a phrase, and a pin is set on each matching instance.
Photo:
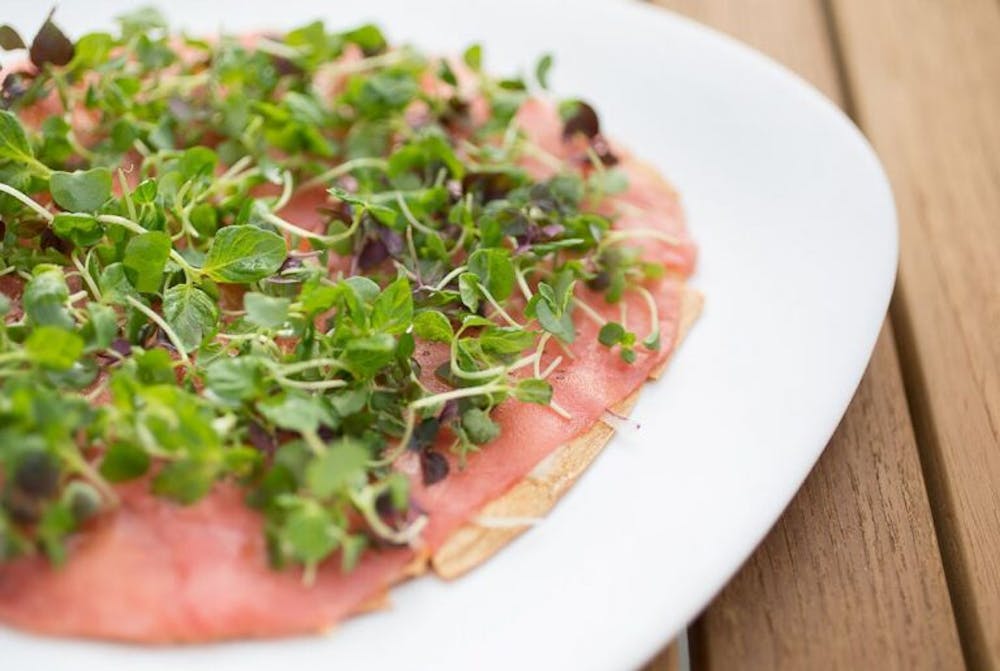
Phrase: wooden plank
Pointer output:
(926, 74)
(667, 660)
(850, 577)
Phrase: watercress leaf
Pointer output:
(495, 271)
(83, 230)
(533, 390)
(53, 347)
(473, 57)
(242, 254)
(145, 259)
(306, 534)
(115, 285)
(297, 411)
(559, 324)
(191, 313)
(366, 356)
(342, 465)
(265, 311)
(542, 70)
(478, 426)
(469, 291)
(91, 50)
(197, 162)
(145, 192)
(237, 378)
(611, 334)
(185, 481)
(101, 327)
(505, 340)
(14, 143)
(44, 300)
(124, 461)
(154, 366)
(392, 311)
(432, 326)
(82, 190)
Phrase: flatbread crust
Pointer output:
(513, 513)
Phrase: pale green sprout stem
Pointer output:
(449, 277)
(159, 321)
(654, 315)
(589, 311)
(14, 193)
(408, 215)
(344, 168)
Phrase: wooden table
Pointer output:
(889, 556)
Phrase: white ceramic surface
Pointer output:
(796, 226)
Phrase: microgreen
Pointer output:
(178, 323)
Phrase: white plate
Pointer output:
(796, 226)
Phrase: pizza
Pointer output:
(290, 318)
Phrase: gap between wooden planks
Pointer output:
(927, 80)
(851, 576)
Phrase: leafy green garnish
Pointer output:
(181, 321)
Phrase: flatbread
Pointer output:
(505, 518)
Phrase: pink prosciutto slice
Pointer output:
(156, 572)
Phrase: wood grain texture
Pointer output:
(926, 77)
(667, 660)
(851, 576)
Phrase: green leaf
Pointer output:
(297, 411)
(115, 285)
(154, 366)
(191, 313)
(238, 378)
(44, 300)
(479, 427)
(52, 347)
(124, 461)
(542, 70)
(13, 140)
(495, 271)
(505, 340)
(101, 327)
(366, 356)
(56, 523)
(265, 311)
(306, 533)
(185, 481)
(83, 230)
(91, 50)
(243, 254)
(432, 326)
(82, 190)
(533, 390)
(10, 39)
(473, 57)
(558, 324)
(611, 334)
(343, 465)
(145, 192)
(392, 311)
(468, 291)
(146, 256)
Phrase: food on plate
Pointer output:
(287, 319)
